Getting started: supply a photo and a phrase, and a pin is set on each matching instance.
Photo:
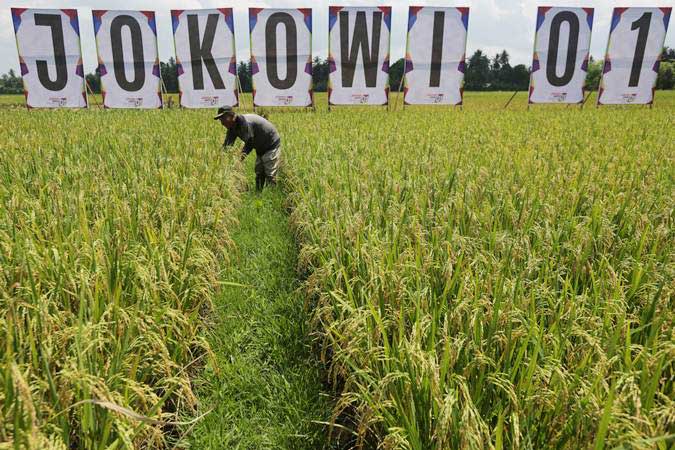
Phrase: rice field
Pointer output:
(483, 278)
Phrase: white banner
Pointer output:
(281, 56)
(435, 55)
(359, 55)
(205, 56)
(48, 42)
(127, 58)
(636, 39)
(561, 50)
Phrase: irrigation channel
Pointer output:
(265, 391)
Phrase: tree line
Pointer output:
(483, 73)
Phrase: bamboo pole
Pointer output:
(509, 102)
(91, 92)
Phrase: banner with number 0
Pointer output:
(561, 50)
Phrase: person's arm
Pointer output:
(230, 137)
(248, 147)
(246, 136)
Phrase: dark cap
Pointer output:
(223, 110)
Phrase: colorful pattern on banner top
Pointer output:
(435, 58)
(561, 53)
(51, 68)
(129, 60)
(358, 58)
(281, 56)
(634, 49)
(205, 57)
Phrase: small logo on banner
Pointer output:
(629, 98)
(435, 98)
(558, 96)
(58, 101)
(360, 98)
(209, 100)
(284, 100)
(134, 101)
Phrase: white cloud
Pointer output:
(493, 24)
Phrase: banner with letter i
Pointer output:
(205, 57)
(435, 55)
(561, 51)
(634, 50)
(50, 58)
(281, 56)
(358, 55)
(128, 61)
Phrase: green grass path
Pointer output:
(267, 390)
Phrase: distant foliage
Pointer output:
(593, 75)
(320, 74)
(10, 83)
(666, 78)
(170, 75)
(482, 74)
(496, 74)
(245, 77)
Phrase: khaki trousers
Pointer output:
(267, 167)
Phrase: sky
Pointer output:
(494, 25)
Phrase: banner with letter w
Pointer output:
(358, 55)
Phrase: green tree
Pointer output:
(245, 76)
(477, 74)
(10, 83)
(520, 77)
(169, 71)
(593, 75)
(396, 75)
(666, 77)
(320, 74)
(668, 54)
(94, 81)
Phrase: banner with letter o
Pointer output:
(128, 62)
(281, 56)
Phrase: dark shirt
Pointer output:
(256, 132)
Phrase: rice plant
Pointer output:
(113, 232)
(492, 279)
(475, 279)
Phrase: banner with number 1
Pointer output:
(634, 50)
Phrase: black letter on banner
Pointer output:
(437, 49)
(360, 39)
(553, 43)
(199, 52)
(118, 52)
(54, 22)
(642, 24)
(291, 50)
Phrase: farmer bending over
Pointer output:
(257, 133)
